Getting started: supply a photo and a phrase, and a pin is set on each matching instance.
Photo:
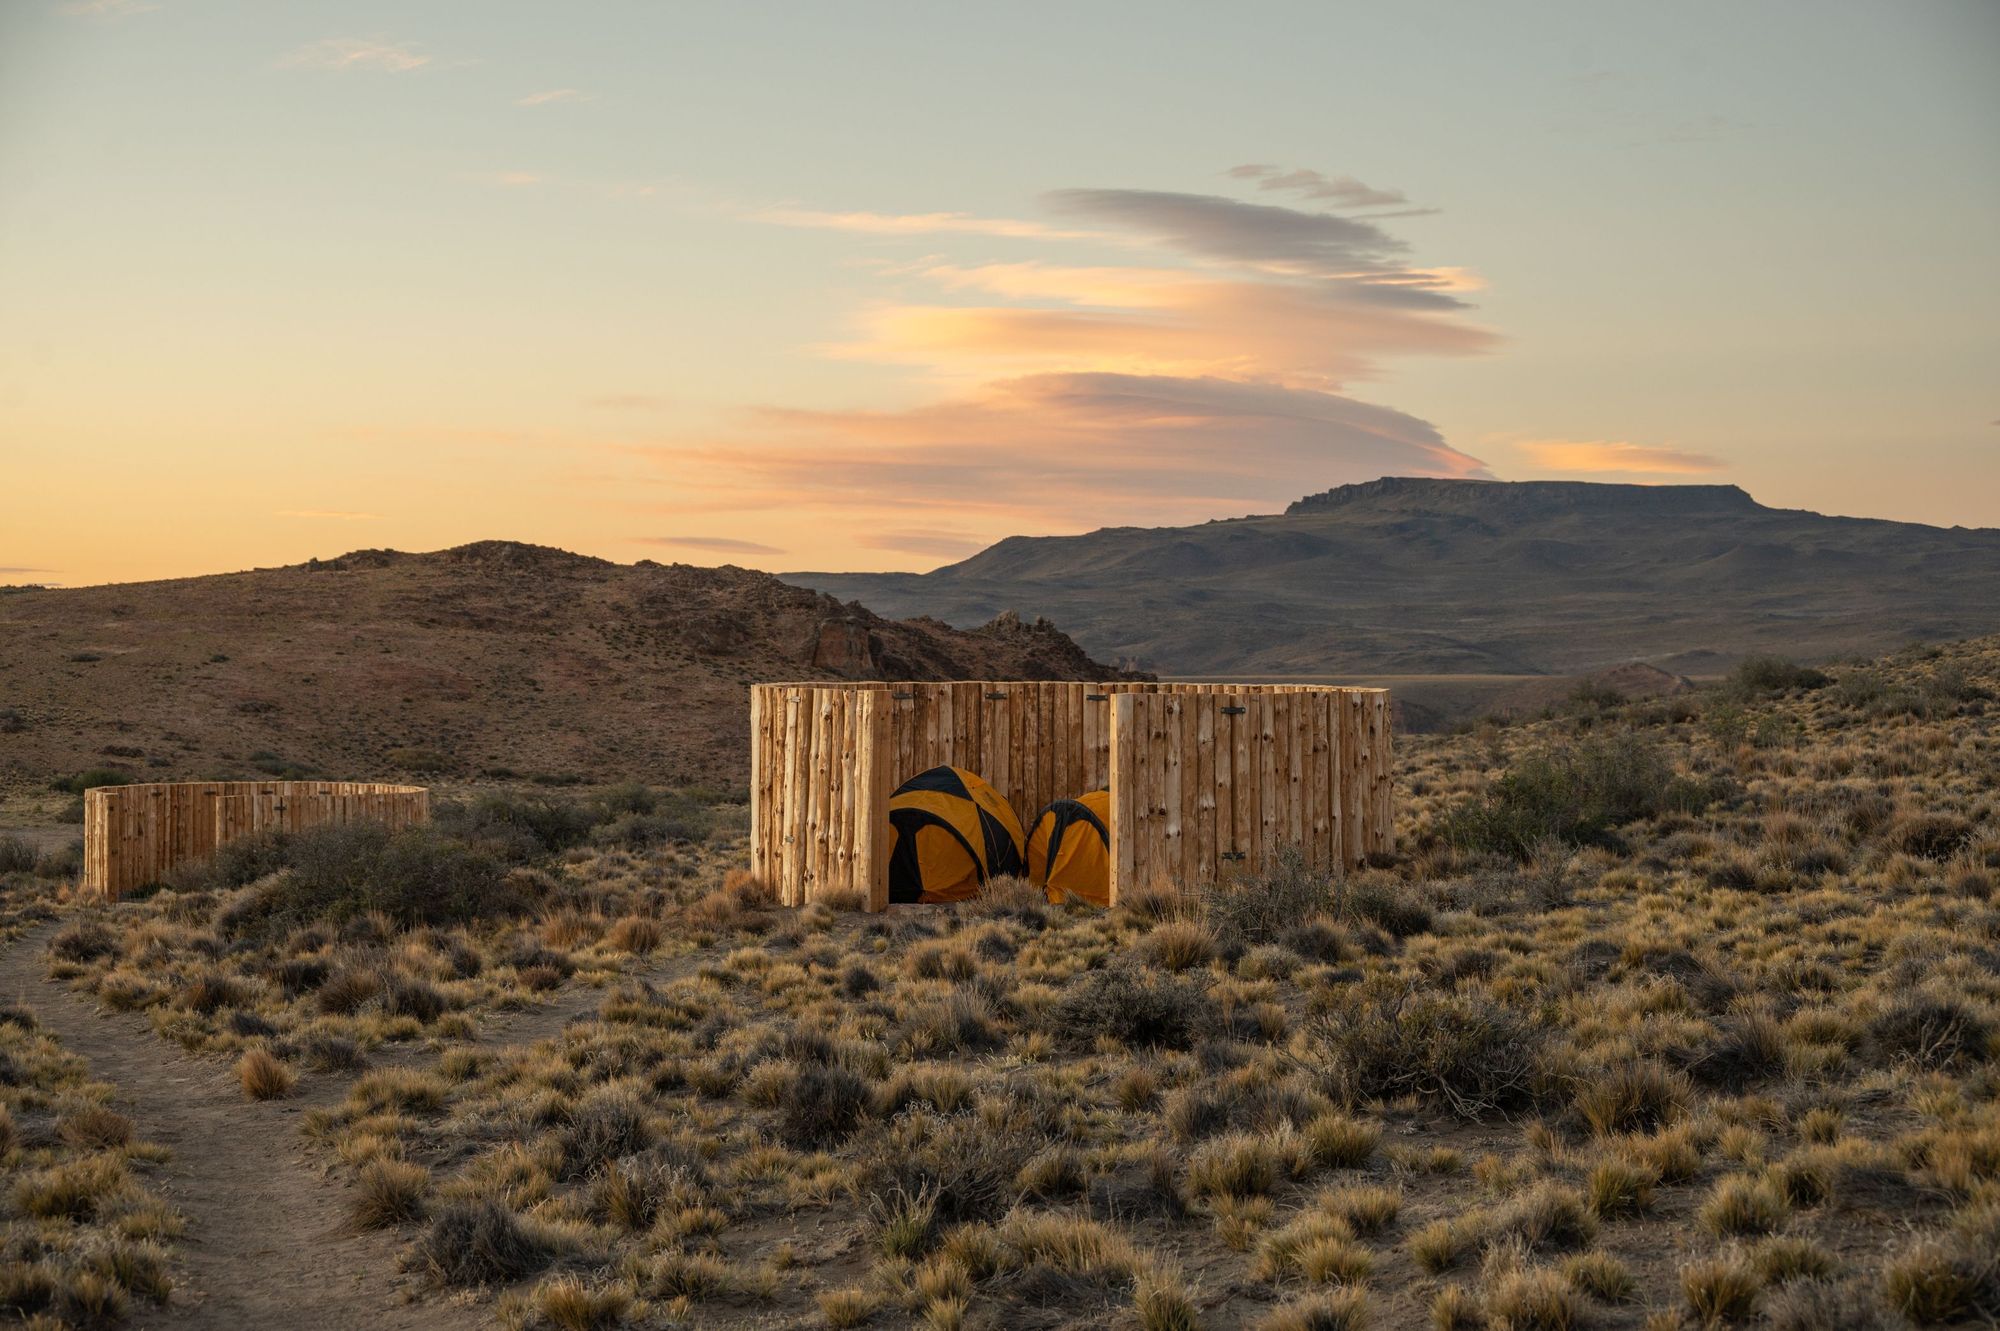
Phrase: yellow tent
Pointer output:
(1069, 851)
(952, 832)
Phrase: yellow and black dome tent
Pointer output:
(952, 833)
(1069, 851)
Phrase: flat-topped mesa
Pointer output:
(1527, 499)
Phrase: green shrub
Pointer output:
(1577, 794)
(520, 826)
(416, 876)
(90, 780)
(1766, 676)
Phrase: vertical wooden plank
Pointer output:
(905, 722)
(791, 808)
(1120, 731)
(760, 801)
(819, 815)
(1319, 852)
(1382, 831)
(1052, 697)
(1297, 738)
(1226, 792)
(928, 738)
(871, 807)
(840, 795)
(1159, 847)
(1093, 723)
(1187, 748)
(1174, 827)
(993, 738)
(1201, 741)
(1270, 813)
(1016, 773)
(1243, 782)
(1027, 795)
(1353, 766)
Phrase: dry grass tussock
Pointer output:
(1669, 1013)
(84, 1239)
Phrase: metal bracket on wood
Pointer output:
(1234, 711)
(1232, 855)
(1097, 697)
(904, 697)
(996, 695)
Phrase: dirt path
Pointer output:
(266, 1244)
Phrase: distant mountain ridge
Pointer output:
(1420, 575)
(488, 658)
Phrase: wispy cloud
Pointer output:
(932, 541)
(720, 544)
(1340, 191)
(918, 224)
(1616, 455)
(356, 53)
(550, 96)
(332, 514)
(105, 9)
(1062, 451)
(1205, 376)
(23, 568)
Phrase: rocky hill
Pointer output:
(495, 659)
(1465, 577)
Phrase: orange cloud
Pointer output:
(1304, 335)
(1204, 378)
(1058, 451)
(1616, 455)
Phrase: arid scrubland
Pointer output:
(1674, 1013)
(84, 1234)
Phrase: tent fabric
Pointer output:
(953, 831)
(1069, 850)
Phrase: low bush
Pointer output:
(1141, 1010)
(90, 780)
(964, 1166)
(1931, 1032)
(1576, 795)
(417, 876)
(1474, 1057)
(1768, 676)
(824, 1105)
(481, 1243)
(16, 855)
(1262, 908)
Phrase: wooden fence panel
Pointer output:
(1207, 781)
(135, 835)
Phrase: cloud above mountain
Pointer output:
(1122, 355)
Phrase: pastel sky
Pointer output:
(871, 285)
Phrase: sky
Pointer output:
(872, 285)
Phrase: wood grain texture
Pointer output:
(1207, 781)
(134, 835)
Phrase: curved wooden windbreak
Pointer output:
(1206, 780)
(132, 835)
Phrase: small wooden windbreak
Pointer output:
(1206, 780)
(132, 835)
